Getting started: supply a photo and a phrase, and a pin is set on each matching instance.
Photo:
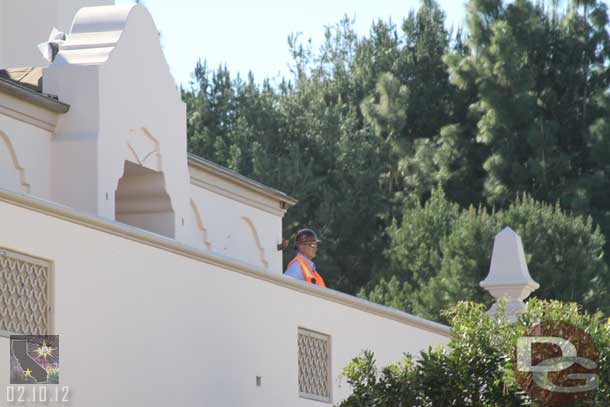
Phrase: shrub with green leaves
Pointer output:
(475, 368)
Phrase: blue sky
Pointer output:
(252, 34)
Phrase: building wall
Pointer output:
(125, 108)
(25, 140)
(223, 217)
(146, 319)
(141, 325)
(230, 220)
(236, 230)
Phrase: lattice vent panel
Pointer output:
(24, 293)
(314, 365)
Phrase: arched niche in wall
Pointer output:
(142, 201)
(244, 243)
(12, 174)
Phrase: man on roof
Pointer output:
(302, 267)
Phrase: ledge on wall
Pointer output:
(170, 245)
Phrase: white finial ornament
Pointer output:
(509, 277)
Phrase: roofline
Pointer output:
(33, 97)
(242, 180)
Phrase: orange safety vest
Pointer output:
(310, 275)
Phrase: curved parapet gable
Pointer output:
(26, 23)
(125, 108)
(126, 113)
(95, 33)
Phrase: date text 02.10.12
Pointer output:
(43, 394)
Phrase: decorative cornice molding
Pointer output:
(238, 179)
(157, 241)
(26, 112)
(33, 97)
(202, 183)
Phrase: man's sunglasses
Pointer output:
(312, 245)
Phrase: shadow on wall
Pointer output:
(142, 201)
(12, 174)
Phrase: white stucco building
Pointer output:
(159, 271)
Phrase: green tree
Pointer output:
(412, 100)
(540, 77)
(306, 138)
(367, 127)
(439, 254)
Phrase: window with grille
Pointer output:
(24, 294)
(314, 365)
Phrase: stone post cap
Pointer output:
(509, 278)
(508, 266)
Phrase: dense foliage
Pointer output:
(443, 252)
(476, 367)
(368, 127)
